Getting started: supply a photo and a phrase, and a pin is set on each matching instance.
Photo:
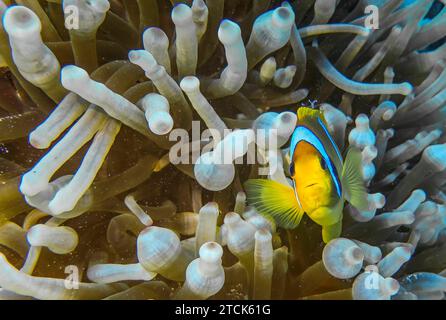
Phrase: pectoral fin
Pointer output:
(352, 181)
(274, 200)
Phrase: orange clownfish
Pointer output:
(322, 180)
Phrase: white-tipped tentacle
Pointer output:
(342, 258)
(36, 63)
(186, 43)
(271, 31)
(234, 75)
(156, 108)
(157, 43)
(60, 240)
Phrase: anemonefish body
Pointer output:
(322, 180)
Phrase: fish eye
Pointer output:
(292, 169)
(323, 163)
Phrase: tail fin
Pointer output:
(274, 200)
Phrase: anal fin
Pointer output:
(331, 232)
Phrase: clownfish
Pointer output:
(321, 180)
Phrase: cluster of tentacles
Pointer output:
(93, 95)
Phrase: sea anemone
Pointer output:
(97, 105)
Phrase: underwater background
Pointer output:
(97, 101)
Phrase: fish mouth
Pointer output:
(310, 185)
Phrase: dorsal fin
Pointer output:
(305, 114)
